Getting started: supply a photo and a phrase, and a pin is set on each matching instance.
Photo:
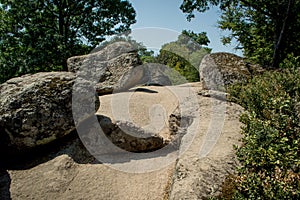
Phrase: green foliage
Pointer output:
(185, 54)
(192, 40)
(267, 31)
(179, 64)
(290, 62)
(39, 35)
(270, 155)
(147, 56)
(148, 59)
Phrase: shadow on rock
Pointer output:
(4, 185)
(122, 140)
(70, 145)
(143, 90)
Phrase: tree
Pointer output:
(193, 40)
(39, 35)
(268, 31)
(185, 54)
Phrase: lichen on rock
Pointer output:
(36, 110)
(219, 70)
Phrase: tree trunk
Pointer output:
(278, 37)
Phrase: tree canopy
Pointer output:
(185, 54)
(39, 35)
(268, 30)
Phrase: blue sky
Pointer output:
(166, 15)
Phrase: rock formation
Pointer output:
(130, 137)
(108, 53)
(152, 74)
(107, 66)
(146, 130)
(37, 109)
(116, 68)
(218, 70)
(71, 173)
(200, 124)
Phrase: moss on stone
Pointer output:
(46, 140)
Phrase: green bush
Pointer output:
(270, 155)
(180, 64)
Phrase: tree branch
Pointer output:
(256, 7)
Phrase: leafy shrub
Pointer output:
(180, 64)
(270, 155)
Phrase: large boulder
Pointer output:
(146, 74)
(37, 109)
(107, 66)
(110, 52)
(218, 70)
(116, 68)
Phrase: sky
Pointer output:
(160, 21)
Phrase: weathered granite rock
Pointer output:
(202, 177)
(146, 74)
(218, 70)
(109, 52)
(141, 121)
(129, 137)
(37, 109)
(73, 173)
(117, 69)
(156, 74)
(125, 135)
(135, 139)
(107, 66)
(4, 185)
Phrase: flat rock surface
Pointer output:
(61, 178)
(199, 172)
(71, 173)
(146, 107)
